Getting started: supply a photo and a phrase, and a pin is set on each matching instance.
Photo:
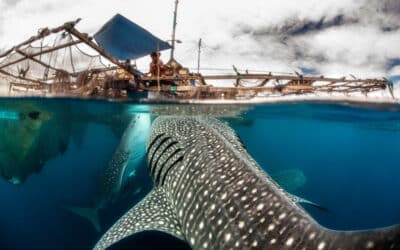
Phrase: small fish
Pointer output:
(209, 192)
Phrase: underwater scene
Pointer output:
(69, 169)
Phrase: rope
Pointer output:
(47, 69)
(84, 53)
(249, 70)
(91, 56)
(41, 49)
(70, 55)
(101, 61)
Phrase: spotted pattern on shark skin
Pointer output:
(222, 199)
(112, 173)
(152, 213)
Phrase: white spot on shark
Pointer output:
(271, 227)
(289, 242)
(370, 244)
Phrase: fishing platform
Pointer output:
(64, 61)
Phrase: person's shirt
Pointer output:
(154, 70)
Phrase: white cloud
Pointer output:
(395, 71)
(254, 34)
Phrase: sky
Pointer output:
(330, 37)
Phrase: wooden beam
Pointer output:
(39, 62)
(264, 77)
(21, 78)
(6, 53)
(84, 38)
(44, 32)
(39, 53)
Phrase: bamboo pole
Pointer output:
(158, 67)
(265, 77)
(39, 53)
(22, 78)
(47, 32)
(102, 52)
(173, 41)
(29, 57)
(44, 32)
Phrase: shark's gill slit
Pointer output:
(154, 141)
(169, 168)
(165, 162)
(154, 153)
(153, 168)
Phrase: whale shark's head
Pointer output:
(166, 145)
(171, 136)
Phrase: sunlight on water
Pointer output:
(8, 115)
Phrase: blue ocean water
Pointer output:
(347, 157)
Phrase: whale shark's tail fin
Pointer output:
(91, 214)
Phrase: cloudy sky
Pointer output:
(330, 37)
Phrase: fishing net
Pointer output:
(55, 61)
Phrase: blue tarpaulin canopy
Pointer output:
(124, 39)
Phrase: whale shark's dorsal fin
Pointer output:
(153, 213)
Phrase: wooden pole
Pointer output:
(44, 32)
(94, 46)
(22, 78)
(158, 67)
(174, 29)
(198, 57)
(27, 56)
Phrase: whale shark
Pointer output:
(211, 194)
(122, 166)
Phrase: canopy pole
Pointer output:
(158, 68)
(198, 57)
(174, 29)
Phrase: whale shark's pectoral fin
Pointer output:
(153, 213)
(298, 199)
